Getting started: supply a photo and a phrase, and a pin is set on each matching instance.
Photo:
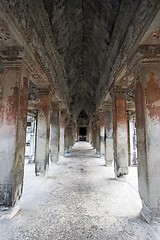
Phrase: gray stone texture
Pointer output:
(86, 203)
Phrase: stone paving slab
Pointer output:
(79, 199)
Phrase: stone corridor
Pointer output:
(78, 199)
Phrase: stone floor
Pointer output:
(79, 199)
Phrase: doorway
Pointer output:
(82, 133)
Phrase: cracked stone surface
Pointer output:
(79, 199)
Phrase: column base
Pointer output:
(98, 154)
(151, 217)
(62, 154)
(54, 158)
(102, 156)
(40, 170)
(121, 171)
(109, 163)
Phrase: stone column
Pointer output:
(94, 134)
(66, 139)
(70, 136)
(62, 122)
(87, 129)
(75, 131)
(90, 133)
(102, 133)
(43, 132)
(109, 156)
(55, 132)
(148, 138)
(120, 128)
(132, 141)
(97, 137)
(13, 122)
(32, 141)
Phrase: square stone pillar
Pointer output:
(55, 133)
(120, 129)
(62, 122)
(148, 138)
(13, 122)
(75, 131)
(66, 139)
(109, 155)
(90, 133)
(97, 137)
(94, 134)
(132, 141)
(43, 132)
(70, 137)
(102, 133)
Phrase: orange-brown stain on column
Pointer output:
(12, 107)
(101, 119)
(152, 92)
(44, 104)
(120, 120)
(121, 110)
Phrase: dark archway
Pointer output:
(83, 123)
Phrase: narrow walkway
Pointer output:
(79, 199)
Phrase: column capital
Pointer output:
(149, 51)
(101, 116)
(64, 117)
(12, 56)
(118, 91)
(107, 105)
(44, 91)
(101, 111)
(55, 105)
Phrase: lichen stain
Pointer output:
(152, 92)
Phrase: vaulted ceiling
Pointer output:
(78, 49)
(82, 31)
